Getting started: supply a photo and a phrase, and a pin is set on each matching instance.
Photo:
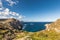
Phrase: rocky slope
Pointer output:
(9, 28)
(53, 26)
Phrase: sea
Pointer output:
(34, 26)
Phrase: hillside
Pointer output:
(9, 28)
(54, 26)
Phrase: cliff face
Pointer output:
(10, 24)
(8, 28)
(53, 26)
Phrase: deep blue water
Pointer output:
(34, 26)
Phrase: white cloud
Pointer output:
(9, 14)
(6, 13)
(11, 3)
(1, 5)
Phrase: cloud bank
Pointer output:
(6, 13)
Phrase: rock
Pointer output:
(8, 28)
(53, 26)
(10, 24)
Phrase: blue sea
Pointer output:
(34, 26)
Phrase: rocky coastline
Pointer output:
(11, 29)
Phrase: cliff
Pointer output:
(9, 27)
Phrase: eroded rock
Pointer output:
(9, 27)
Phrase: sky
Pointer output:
(30, 10)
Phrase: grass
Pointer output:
(41, 35)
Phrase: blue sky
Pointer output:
(36, 10)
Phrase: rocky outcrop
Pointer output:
(10, 24)
(53, 26)
(9, 27)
